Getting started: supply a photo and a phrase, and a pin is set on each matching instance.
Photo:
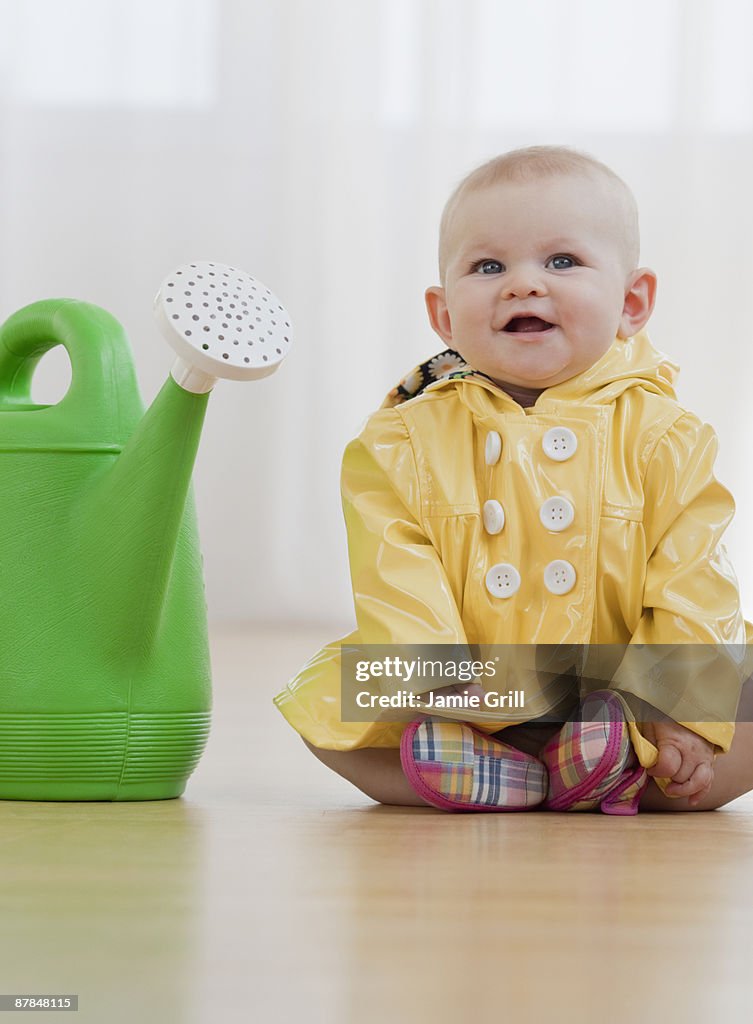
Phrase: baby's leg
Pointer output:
(504, 781)
(376, 771)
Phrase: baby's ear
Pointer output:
(640, 295)
(439, 315)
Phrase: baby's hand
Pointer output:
(684, 757)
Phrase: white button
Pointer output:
(502, 580)
(559, 577)
(493, 448)
(494, 516)
(559, 443)
(556, 513)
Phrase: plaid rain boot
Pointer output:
(591, 761)
(457, 768)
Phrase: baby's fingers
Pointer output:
(696, 786)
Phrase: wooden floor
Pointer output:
(272, 892)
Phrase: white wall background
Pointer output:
(313, 143)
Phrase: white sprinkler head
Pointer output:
(222, 323)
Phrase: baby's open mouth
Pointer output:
(527, 325)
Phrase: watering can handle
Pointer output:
(102, 374)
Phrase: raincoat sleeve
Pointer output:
(401, 593)
(400, 589)
(691, 668)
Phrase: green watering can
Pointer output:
(104, 658)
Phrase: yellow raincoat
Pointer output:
(639, 561)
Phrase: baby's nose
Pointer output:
(522, 283)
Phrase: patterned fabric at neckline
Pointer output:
(450, 365)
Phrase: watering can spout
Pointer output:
(141, 513)
(221, 323)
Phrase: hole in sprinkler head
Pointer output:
(225, 355)
(246, 359)
(188, 334)
(264, 358)
(205, 346)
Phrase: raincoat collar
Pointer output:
(627, 363)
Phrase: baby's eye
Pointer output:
(561, 262)
(488, 267)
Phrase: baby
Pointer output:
(539, 484)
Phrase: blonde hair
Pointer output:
(538, 162)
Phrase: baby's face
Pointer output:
(536, 279)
